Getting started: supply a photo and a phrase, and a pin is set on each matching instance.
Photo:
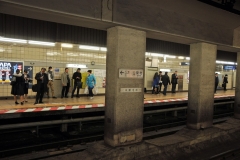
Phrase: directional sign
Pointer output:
(131, 90)
(131, 73)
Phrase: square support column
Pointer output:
(201, 85)
(237, 90)
(124, 89)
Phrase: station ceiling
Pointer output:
(192, 9)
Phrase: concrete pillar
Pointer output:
(124, 86)
(237, 90)
(201, 85)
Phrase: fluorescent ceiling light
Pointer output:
(170, 56)
(224, 62)
(156, 55)
(218, 72)
(165, 70)
(187, 58)
(180, 57)
(89, 47)
(103, 49)
(53, 53)
(13, 40)
(66, 45)
(76, 66)
(42, 43)
(72, 54)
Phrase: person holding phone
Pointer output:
(42, 81)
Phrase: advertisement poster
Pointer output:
(56, 73)
(30, 72)
(7, 68)
(100, 77)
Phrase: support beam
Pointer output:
(124, 86)
(201, 85)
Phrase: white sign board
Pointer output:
(131, 73)
(131, 90)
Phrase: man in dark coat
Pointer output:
(42, 81)
(77, 77)
(216, 82)
(165, 82)
(225, 81)
(174, 81)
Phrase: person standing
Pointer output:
(50, 81)
(216, 82)
(174, 81)
(65, 83)
(17, 86)
(42, 81)
(225, 81)
(26, 78)
(155, 83)
(160, 81)
(91, 82)
(165, 82)
(77, 77)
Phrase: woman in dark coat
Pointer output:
(225, 81)
(26, 78)
(155, 83)
(17, 86)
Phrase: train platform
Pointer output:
(8, 109)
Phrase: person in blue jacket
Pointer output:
(155, 83)
(91, 82)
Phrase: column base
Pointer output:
(198, 126)
(123, 138)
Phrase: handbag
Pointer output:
(95, 90)
(13, 81)
(34, 88)
(79, 84)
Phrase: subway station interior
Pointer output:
(123, 44)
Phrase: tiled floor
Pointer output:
(99, 99)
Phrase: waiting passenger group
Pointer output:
(20, 84)
(159, 80)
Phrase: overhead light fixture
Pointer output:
(167, 56)
(187, 58)
(180, 57)
(156, 55)
(218, 72)
(224, 62)
(89, 47)
(66, 45)
(76, 66)
(103, 49)
(165, 70)
(13, 40)
(42, 43)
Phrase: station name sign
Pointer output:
(131, 73)
(229, 67)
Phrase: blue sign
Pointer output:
(232, 67)
(30, 72)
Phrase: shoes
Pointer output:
(26, 101)
(72, 96)
(22, 103)
(54, 97)
(78, 96)
(66, 96)
(35, 103)
(41, 102)
(16, 102)
(62, 97)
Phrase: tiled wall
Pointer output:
(55, 56)
(45, 57)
